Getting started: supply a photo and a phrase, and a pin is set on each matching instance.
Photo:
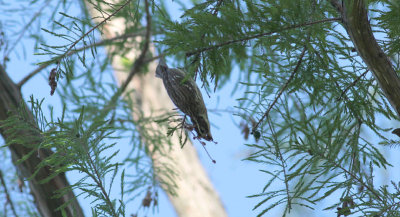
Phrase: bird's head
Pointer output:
(161, 68)
(202, 127)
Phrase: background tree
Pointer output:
(316, 86)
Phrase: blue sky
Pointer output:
(233, 178)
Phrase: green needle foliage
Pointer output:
(310, 101)
(95, 116)
(315, 111)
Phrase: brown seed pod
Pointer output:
(185, 94)
(52, 80)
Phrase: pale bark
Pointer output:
(196, 196)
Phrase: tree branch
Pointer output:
(356, 23)
(352, 84)
(283, 165)
(95, 27)
(188, 54)
(69, 52)
(296, 69)
(217, 7)
(8, 197)
(26, 27)
(100, 43)
(359, 180)
(141, 59)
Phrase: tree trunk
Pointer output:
(10, 100)
(196, 196)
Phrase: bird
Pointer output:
(186, 95)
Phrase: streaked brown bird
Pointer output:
(185, 94)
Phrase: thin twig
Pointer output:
(337, 4)
(337, 84)
(283, 89)
(26, 28)
(141, 59)
(97, 178)
(198, 55)
(69, 52)
(285, 176)
(8, 198)
(137, 65)
(217, 7)
(188, 54)
(359, 180)
(95, 27)
(147, 60)
(352, 84)
(100, 43)
(33, 73)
